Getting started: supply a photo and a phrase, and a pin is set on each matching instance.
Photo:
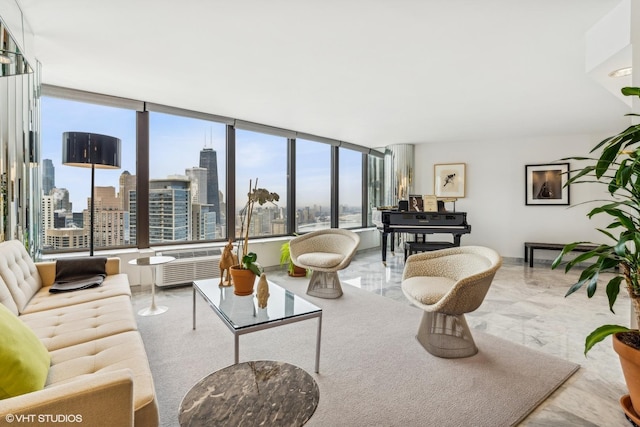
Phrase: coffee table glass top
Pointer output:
(243, 311)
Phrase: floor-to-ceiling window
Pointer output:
(194, 160)
(350, 188)
(186, 162)
(313, 185)
(263, 157)
(67, 189)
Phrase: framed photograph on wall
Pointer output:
(546, 184)
(449, 180)
(416, 204)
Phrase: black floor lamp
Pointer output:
(90, 150)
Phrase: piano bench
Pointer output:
(411, 248)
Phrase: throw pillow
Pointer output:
(77, 267)
(24, 360)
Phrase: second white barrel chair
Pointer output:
(325, 252)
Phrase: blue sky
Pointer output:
(175, 146)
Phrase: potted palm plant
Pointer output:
(617, 168)
(285, 258)
(244, 274)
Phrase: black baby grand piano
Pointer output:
(454, 223)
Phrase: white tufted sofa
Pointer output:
(324, 252)
(99, 367)
(446, 284)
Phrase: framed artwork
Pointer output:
(546, 184)
(416, 204)
(430, 203)
(449, 180)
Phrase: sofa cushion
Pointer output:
(63, 327)
(24, 361)
(427, 289)
(320, 259)
(19, 272)
(110, 354)
(113, 285)
(6, 298)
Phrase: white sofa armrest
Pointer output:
(102, 399)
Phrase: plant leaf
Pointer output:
(592, 286)
(575, 287)
(630, 91)
(613, 289)
(601, 333)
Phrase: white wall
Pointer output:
(495, 191)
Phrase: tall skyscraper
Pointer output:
(48, 176)
(60, 199)
(209, 161)
(169, 209)
(109, 218)
(127, 184)
(198, 177)
(48, 210)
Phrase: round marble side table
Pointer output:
(258, 393)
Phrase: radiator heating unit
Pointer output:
(189, 265)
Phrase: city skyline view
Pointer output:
(176, 142)
(176, 146)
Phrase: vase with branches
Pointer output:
(248, 261)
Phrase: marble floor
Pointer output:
(527, 306)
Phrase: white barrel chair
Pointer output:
(446, 284)
(324, 252)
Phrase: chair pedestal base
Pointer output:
(324, 285)
(445, 335)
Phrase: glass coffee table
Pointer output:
(242, 315)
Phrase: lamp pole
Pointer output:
(93, 191)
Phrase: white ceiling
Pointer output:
(370, 72)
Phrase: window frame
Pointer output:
(143, 109)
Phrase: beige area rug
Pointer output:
(373, 372)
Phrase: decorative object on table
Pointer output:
(227, 260)
(244, 274)
(430, 203)
(90, 150)
(547, 184)
(416, 204)
(285, 258)
(618, 169)
(263, 291)
(243, 280)
(449, 180)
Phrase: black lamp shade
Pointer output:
(85, 149)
